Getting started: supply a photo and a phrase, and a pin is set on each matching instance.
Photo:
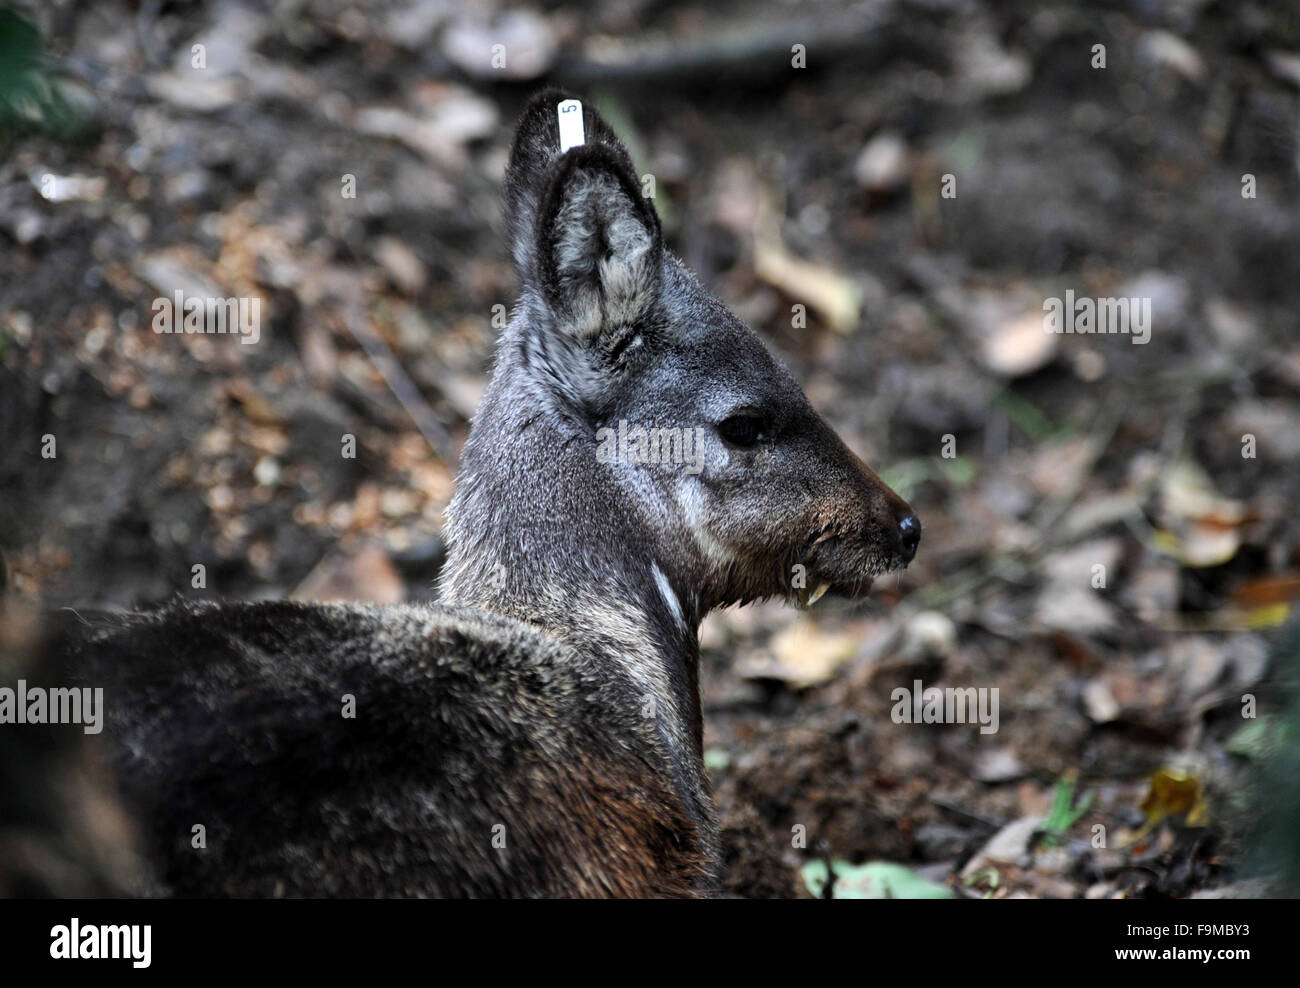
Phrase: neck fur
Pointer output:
(538, 532)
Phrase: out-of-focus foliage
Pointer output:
(1273, 841)
(28, 94)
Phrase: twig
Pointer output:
(403, 388)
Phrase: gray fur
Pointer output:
(553, 691)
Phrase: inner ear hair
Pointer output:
(533, 154)
(599, 243)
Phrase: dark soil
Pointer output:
(179, 451)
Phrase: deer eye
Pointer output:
(743, 430)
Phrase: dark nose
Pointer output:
(909, 536)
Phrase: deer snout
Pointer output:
(890, 531)
(900, 527)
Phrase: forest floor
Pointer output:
(1110, 527)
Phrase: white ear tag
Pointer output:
(572, 132)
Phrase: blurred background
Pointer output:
(887, 192)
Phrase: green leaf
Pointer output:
(1027, 416)
(873, 880)
(1256, 739)
(716, 759)
(1065, 813)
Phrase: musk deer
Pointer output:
(639, 458)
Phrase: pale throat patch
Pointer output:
(691, 500)
(666, 591)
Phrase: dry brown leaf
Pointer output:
(1019, 345)
(803, 655)
(1173, 793)
(834, 297)
(1264, 590)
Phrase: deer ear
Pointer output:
(599, 246)
(534, 156)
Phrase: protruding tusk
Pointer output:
(816, 595)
